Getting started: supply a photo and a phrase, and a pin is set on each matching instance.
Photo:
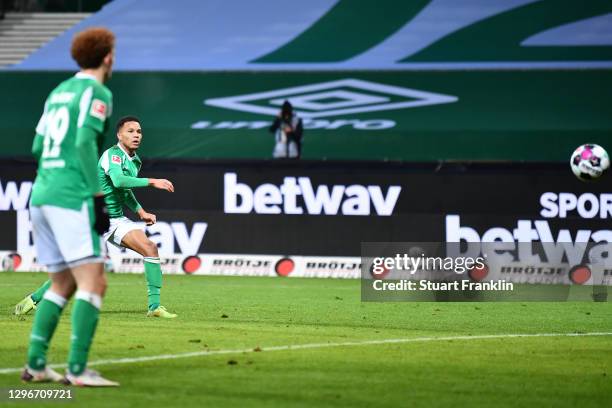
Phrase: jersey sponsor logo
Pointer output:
(98, 109)
(116, 159)
(333, 98)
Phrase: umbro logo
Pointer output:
(340, 97)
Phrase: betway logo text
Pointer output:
(13, 197)
(517, 244)
(287, 198)
(169, 237)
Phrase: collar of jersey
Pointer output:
(83, 75)
(130, 158)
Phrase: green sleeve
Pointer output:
(87, 149)
(95, 109)
(120, 180)
(37, 146)
(41, 130)
(130, 200)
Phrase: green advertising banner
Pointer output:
(387, 115)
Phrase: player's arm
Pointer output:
(93, 109)
(87, 149)
(130, 201)
(120, 180)
(149, 218)
(41, 129)
(299, 130)
(275, 124)
(94, 106)
(37, 146)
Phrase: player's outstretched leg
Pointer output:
(29, 302)
(45, 322)
(136, 240)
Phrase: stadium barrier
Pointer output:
(310, 218)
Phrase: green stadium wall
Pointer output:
(396, 115)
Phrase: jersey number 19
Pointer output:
(57, 123)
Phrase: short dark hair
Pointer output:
(91, 46)
(126, 119)
(287, 108)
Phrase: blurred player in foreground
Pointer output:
(67, 209)
(118, 170)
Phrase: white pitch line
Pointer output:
(312, 346)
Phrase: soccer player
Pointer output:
(118, 170)
(67, 209)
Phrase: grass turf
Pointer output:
(219, 313)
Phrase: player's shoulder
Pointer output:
(102, 93)
(86, 81)
(137, 161)
(103, 90)
(114, 150)
(116, 154)
(112, 155)
(63, 86)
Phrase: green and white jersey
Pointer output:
(118, 173)
(76, 107)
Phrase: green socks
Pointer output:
(84, 321)
(153, 274)
(40, 292)
(46, 319)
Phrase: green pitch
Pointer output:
(253, 314)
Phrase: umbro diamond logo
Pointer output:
(340, 97)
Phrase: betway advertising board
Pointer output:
(354, 115)
(310, 218)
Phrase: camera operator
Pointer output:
(287, 129)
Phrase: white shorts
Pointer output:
(65, 238)
(119, 227)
